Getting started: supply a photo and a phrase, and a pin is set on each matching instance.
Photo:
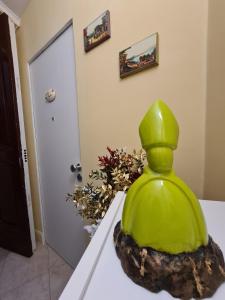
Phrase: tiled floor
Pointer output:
(41, 277)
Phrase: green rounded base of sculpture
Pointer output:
(161, 212)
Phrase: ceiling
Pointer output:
(17, 6)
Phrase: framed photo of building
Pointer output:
(97, 32)
(139, 56)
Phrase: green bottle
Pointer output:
(160, 210)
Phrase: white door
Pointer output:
(57, 143)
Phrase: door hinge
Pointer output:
(25, 155)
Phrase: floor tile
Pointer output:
(59, 276)
(36, 289)
(54, 258)
(18, 269)
(3, 254)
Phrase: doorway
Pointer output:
(16, 220)
(54, 102)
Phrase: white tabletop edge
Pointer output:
(80, 280)
(75, 288)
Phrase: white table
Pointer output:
(99, 275)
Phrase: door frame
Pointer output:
(12, 30)
(12, 16)
(38, 53)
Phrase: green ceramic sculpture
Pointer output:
(160, 210)
(162, 241)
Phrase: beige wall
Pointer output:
(110, 109)
(215, 126)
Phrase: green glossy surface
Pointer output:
(159, 127)
(160, 210)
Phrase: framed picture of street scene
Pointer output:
(139, 56)
(97, 32)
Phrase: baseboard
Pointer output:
(39, 236)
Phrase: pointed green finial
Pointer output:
(159, 133)
(159, 127)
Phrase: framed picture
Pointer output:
(139, 56)
(97, 32)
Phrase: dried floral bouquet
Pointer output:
(118, 170)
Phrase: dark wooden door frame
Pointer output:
(13, 25)
(10, 44)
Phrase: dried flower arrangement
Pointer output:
(118, 170)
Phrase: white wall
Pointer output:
(215, 123)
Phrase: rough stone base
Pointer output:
(187, 275)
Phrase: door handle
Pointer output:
(75, 168)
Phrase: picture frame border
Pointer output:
(154, 64)
(90, 47)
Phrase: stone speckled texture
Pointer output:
(187, 275)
